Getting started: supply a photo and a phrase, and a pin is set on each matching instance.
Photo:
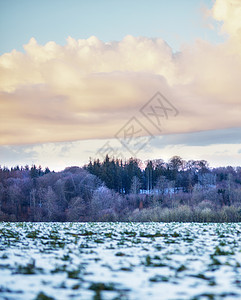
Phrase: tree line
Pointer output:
(116, 190)
(133, 175)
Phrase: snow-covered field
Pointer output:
(120, 261)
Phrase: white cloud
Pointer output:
(88, 89)
(229, 12)
(59, 155)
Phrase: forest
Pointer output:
(116, 190)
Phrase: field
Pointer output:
(120, 261)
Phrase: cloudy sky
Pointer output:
(150, 79)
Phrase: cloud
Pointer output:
(202, 138)
(89, 89)
(59, 155)
(228, 11)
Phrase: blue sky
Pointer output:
(62, 99)
(109, 20)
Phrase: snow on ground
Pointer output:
(120, 261)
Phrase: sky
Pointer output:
(149, 79)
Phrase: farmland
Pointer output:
(120, 261)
